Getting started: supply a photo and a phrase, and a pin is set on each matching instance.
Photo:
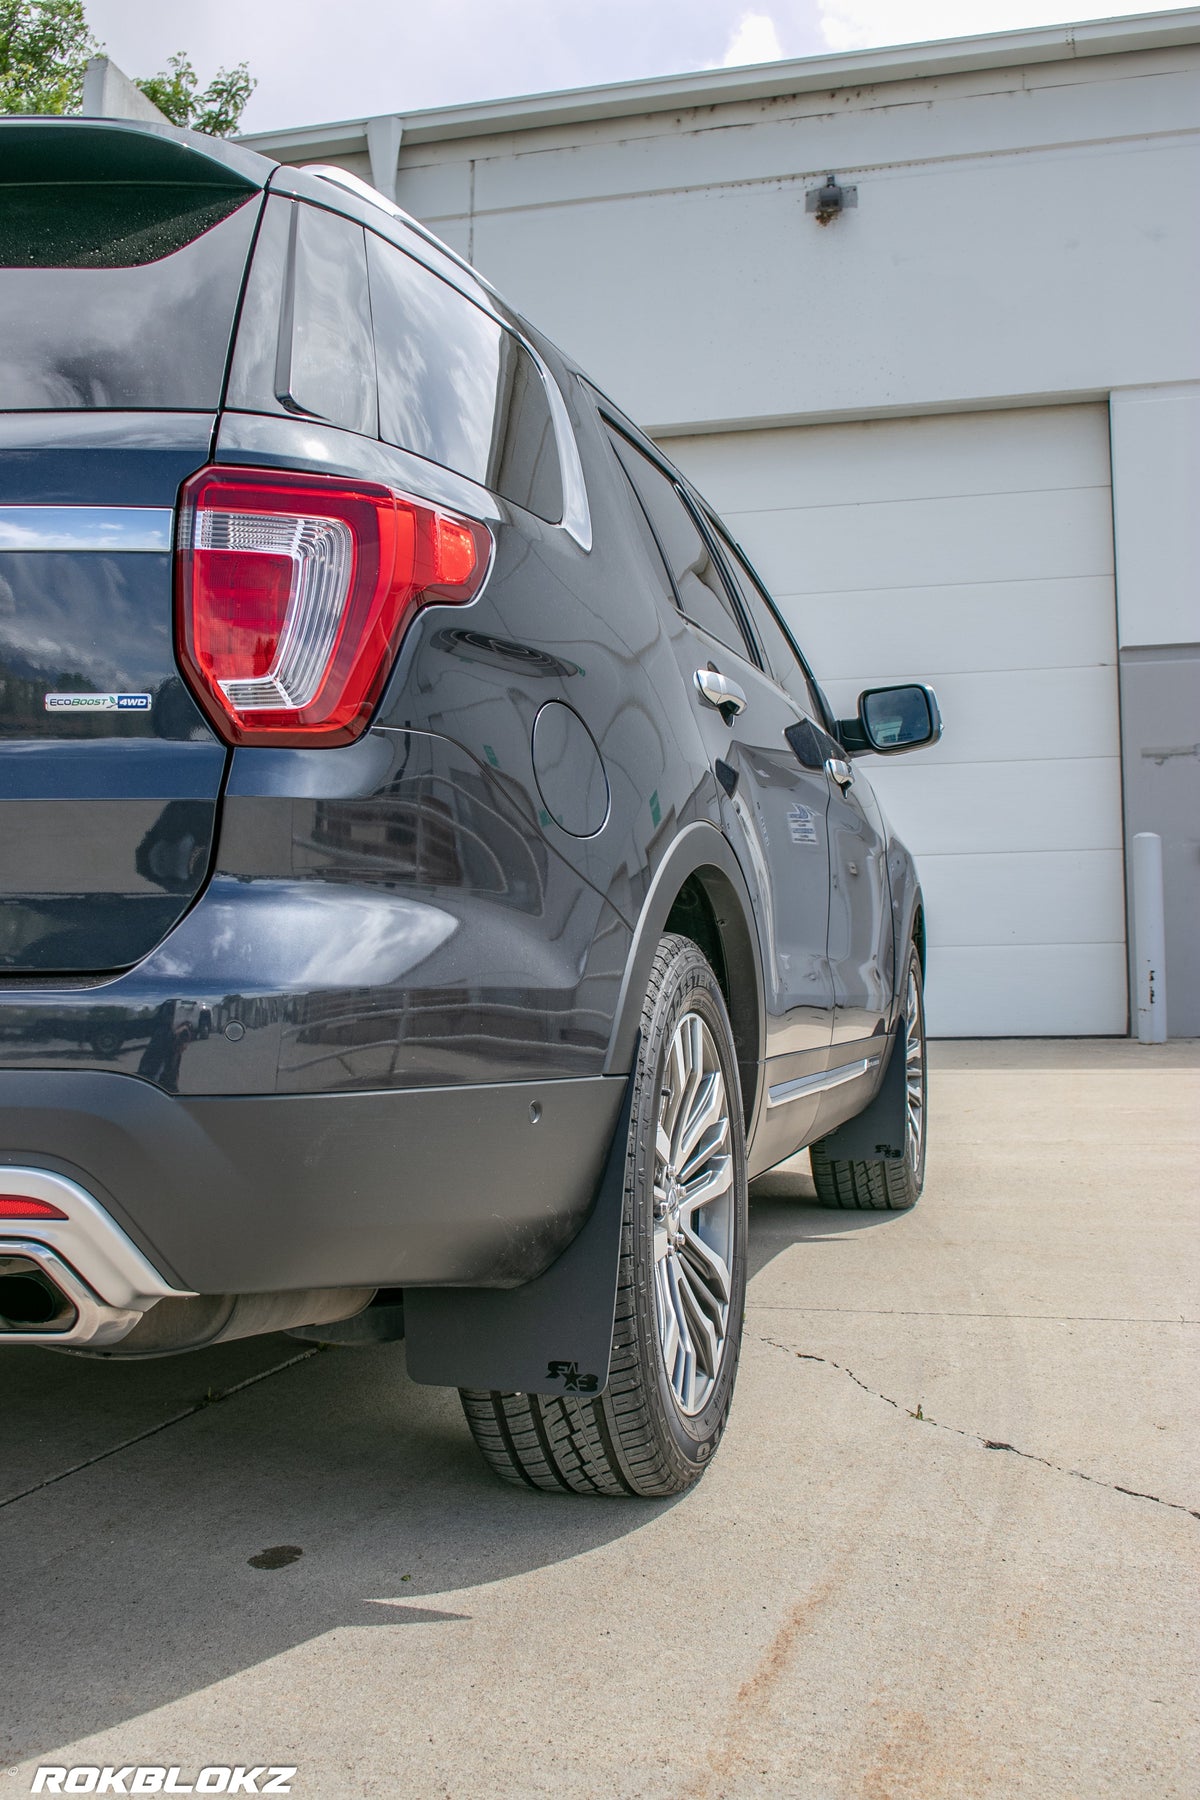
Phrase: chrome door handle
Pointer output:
(839, 771)
(719, 691)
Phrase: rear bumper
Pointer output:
(473, 1186)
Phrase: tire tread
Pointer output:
(876, 1186)
(882, 1184)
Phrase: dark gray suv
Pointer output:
(431, 881)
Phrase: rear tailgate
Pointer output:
(122, 259)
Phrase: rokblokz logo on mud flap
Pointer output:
(153, 1778)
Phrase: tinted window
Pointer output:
(252, 375)
(98, 225)
(117, 295)
(782, 658)
(651, 557)
(304, 341)
(304, 337)
(702, 593)
(331, 367)
(456, 387)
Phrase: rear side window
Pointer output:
(117, 295)
(305, 343)
(457, 388)
(784, 660)
(327, 362)
(703, 595)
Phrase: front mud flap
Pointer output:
(551, 1336)
(877, 1133)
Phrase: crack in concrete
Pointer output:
(922, 1418)
(892, 1312)
(139, 1437)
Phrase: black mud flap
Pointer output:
(552, 1336)
(877, 1133)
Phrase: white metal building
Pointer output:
(957, 427)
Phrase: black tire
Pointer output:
(887, 1184)
(640, 1437)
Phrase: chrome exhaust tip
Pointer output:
(43, 1301)
(30, 1300)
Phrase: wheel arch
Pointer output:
(699, 890)
(908, 912)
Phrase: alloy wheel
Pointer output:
(914, 1072)
(694, 1214)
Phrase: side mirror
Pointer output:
(892, 719)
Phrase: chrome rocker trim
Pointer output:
(817, 1084)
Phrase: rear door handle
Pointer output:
(839, 771)
(719, 691)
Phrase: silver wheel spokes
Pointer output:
(914, 1073)
(693, 1214)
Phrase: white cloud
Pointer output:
(858, 24)
(755, 41)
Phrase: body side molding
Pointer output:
(817, 1084)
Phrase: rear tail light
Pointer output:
(294, 591)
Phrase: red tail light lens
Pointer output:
(294, 591)
(20, 1206)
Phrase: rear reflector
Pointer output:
(20, 1206)
(294, 591)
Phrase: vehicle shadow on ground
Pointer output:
(784, 1212)
(128, 1584)
(131, 1577)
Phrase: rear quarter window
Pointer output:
(457, 387)
(305, 343)
(341, 325)
(119, 296)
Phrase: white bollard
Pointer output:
(1149, 939)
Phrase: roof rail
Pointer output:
(354, 184)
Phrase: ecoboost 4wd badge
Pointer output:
(97, 702)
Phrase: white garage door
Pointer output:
(973, 551)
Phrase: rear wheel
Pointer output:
(887, 1184)
(682, 1278)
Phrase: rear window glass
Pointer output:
(456, 387)
(118, 296)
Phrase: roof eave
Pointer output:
(723, 87)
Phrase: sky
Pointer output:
(319, 60)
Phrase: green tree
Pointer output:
(215, 109)
(44, 50)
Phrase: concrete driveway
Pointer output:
(948, 1548)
